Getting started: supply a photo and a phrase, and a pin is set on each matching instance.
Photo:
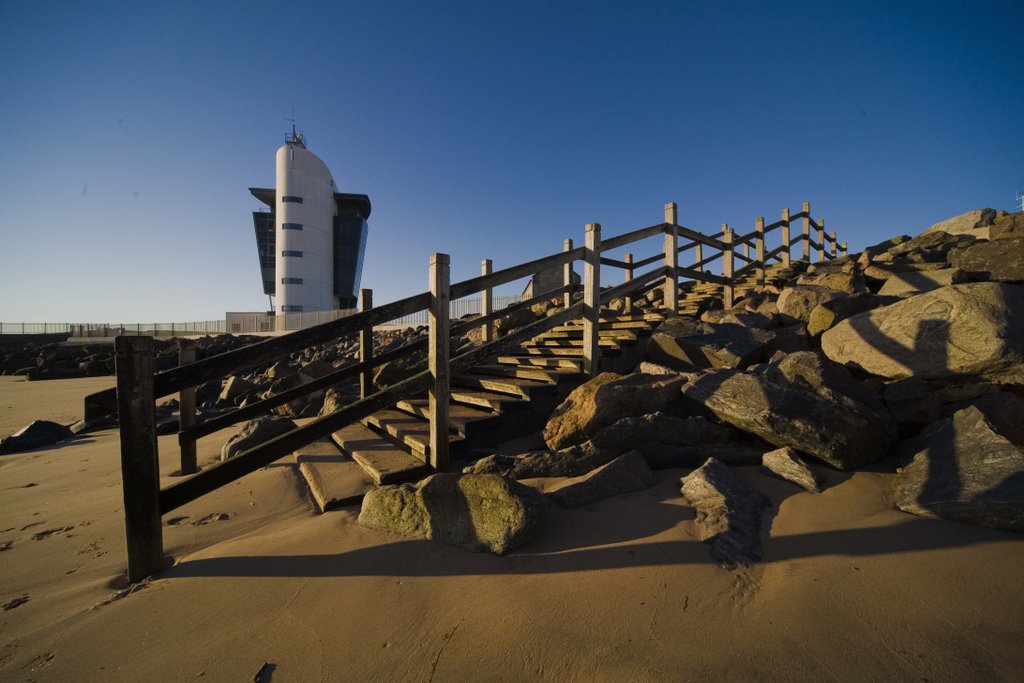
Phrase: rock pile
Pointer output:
(911, 352)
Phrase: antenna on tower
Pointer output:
(295, 138)
(1020, 201)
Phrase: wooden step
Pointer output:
(380, 459)
(409, 430)
(513, 386)
(334, 479)
(572, 344)
(549, 375)
(532, 361)
(488, 400)
(464, 420)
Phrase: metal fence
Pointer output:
(460, 308)
(115, 329)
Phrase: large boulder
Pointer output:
(796, 303)
(254, 433)
(912, 283)
(958, 331)
(929, 246)
(728, 513)
(235, 387)
(827, 315)
(1000, 260)
(805, 402)
(37, 434)
(963, 468)
(969, 223)
(848, 283)
(627, 473)
(605, 399)
(685, 344)
(1010, 225)
(475, 512)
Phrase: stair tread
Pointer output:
(408, 429)
(532, 361)
(459, 416)
(379, 458)
(549, 375)
(512, 386)
(489, 400)
(334, 479)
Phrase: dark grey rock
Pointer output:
(37, 434)
(804, 402)
(476, 512)
(962, 468)
(685, 344)
(911, 403)
(728, 513)
(796, 303)
(1000, 260)
(255, 432)
(627, 473)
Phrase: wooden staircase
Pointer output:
(507, 396)
(697, 296)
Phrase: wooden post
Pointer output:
(785, 237)
(821, 240)
(438, 351)
(591, 299)
(832, 239)
(365, 345)
(140, 470)
(628, 277)
(843, 248)
(698, 255)
(759, 251)
(746, 250)
(187, 409)
(671, 260)
(487, 302)
(807, 231)
(727, 266)
(567, 274)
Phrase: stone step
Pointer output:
(333, 478)
(381, 460)
(410, 431)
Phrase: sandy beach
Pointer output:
(618, 590)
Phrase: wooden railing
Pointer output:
(138, 386)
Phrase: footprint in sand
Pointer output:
(16, 602)
(29, 526)
(175, 521)
(50, 532)
(6, 545)
(210, 519)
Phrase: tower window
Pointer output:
(291, 199)
(290, 252)
(291, 226)
(291, 281)
(291, 309)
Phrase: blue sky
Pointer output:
(481, 129)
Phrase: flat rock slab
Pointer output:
(1000, 260)
(786, 463)
(334, 479)
(967, 330)
(627, 473)
(728, 513)
(475, 512)
(911, 283)
(961, 468)
(255, 432)
(685, 344)
(817, 409)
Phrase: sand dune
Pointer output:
(617, 590)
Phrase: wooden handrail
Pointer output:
(505, 275)
(233, 362)
(138, 387)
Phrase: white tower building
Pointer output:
(312, 240)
